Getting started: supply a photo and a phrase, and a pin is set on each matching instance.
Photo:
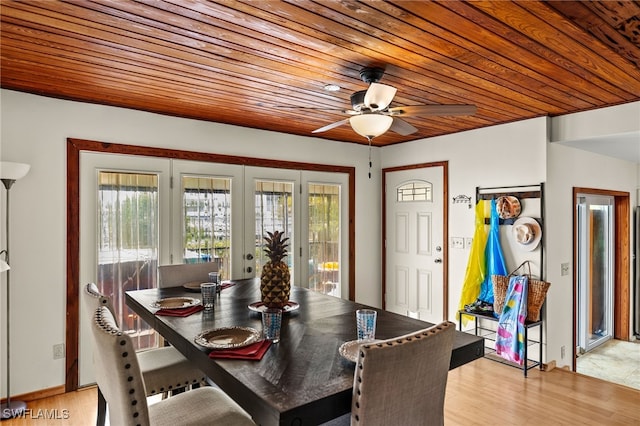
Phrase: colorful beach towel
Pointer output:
(510, 341)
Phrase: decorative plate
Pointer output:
(175, 303)
(228, 337)
(192, 286)
(349, 350)
(261, 307)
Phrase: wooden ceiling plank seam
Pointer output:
(108, 62)
(490, 48)
(145, 96)
(286, 55)
(510, 77)
(170, 88)
(578, 75)
(141, 52)
(112, 79)
(587, 16)
(520, 16)
(611, 63)
(574, 75)
(408, 61)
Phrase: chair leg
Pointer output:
(102, 409)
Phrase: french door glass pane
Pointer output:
(128, 244)
(324, 238)
(595, 276)
(207, 221)
(274, 212)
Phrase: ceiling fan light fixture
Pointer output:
(370, 125)
(379, 96)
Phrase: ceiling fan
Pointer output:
(371, 115)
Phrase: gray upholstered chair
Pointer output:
(403, 380)
(177, 275)
(118, 375)
(163, 369)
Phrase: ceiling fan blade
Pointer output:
(379, 96)
(401, 127)
(433, 110)
(331, 126)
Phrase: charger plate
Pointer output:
(175, 303)
(261, 307)
(228, 337)
(349, 350)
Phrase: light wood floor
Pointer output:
(483, 392)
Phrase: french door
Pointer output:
(596, 251)
(141, 212)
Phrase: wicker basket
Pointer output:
(536, 293)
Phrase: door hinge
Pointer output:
(170, 182)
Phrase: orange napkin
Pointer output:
(180, 312)
(255, 351)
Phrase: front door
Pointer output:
(414, 243)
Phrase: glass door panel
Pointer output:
(206, 209)
(325, 208)
(128, 244)
(595, 270)
(124, 221)
(324, 238)
(273, 212)
(271, 204)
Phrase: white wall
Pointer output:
(507, 155)
(568, 168)
(35, 130)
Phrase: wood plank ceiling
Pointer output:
(264, 64)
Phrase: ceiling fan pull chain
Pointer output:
(370, 164)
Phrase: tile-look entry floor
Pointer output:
(615, 361)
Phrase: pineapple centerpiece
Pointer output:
(275, 281)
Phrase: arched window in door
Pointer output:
(416, 190)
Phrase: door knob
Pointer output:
(249, 256)
(437, 260)
(249, 269)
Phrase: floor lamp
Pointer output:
(9, 173)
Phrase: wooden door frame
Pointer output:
(622, 265)
(445, 228)
(76, 146)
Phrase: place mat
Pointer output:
(180, 312)
(253, 352)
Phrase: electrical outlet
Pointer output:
(58, 351)
(468, 241)
(564, 269)
(457, 242)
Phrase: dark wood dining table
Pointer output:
(302, 380)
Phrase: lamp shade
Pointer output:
(4, 266)
(13, 171)
(370, 125)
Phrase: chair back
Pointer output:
(177, 275)
(92, 299)
(117, 371)
(403, 380)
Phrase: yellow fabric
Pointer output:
(477, 265)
